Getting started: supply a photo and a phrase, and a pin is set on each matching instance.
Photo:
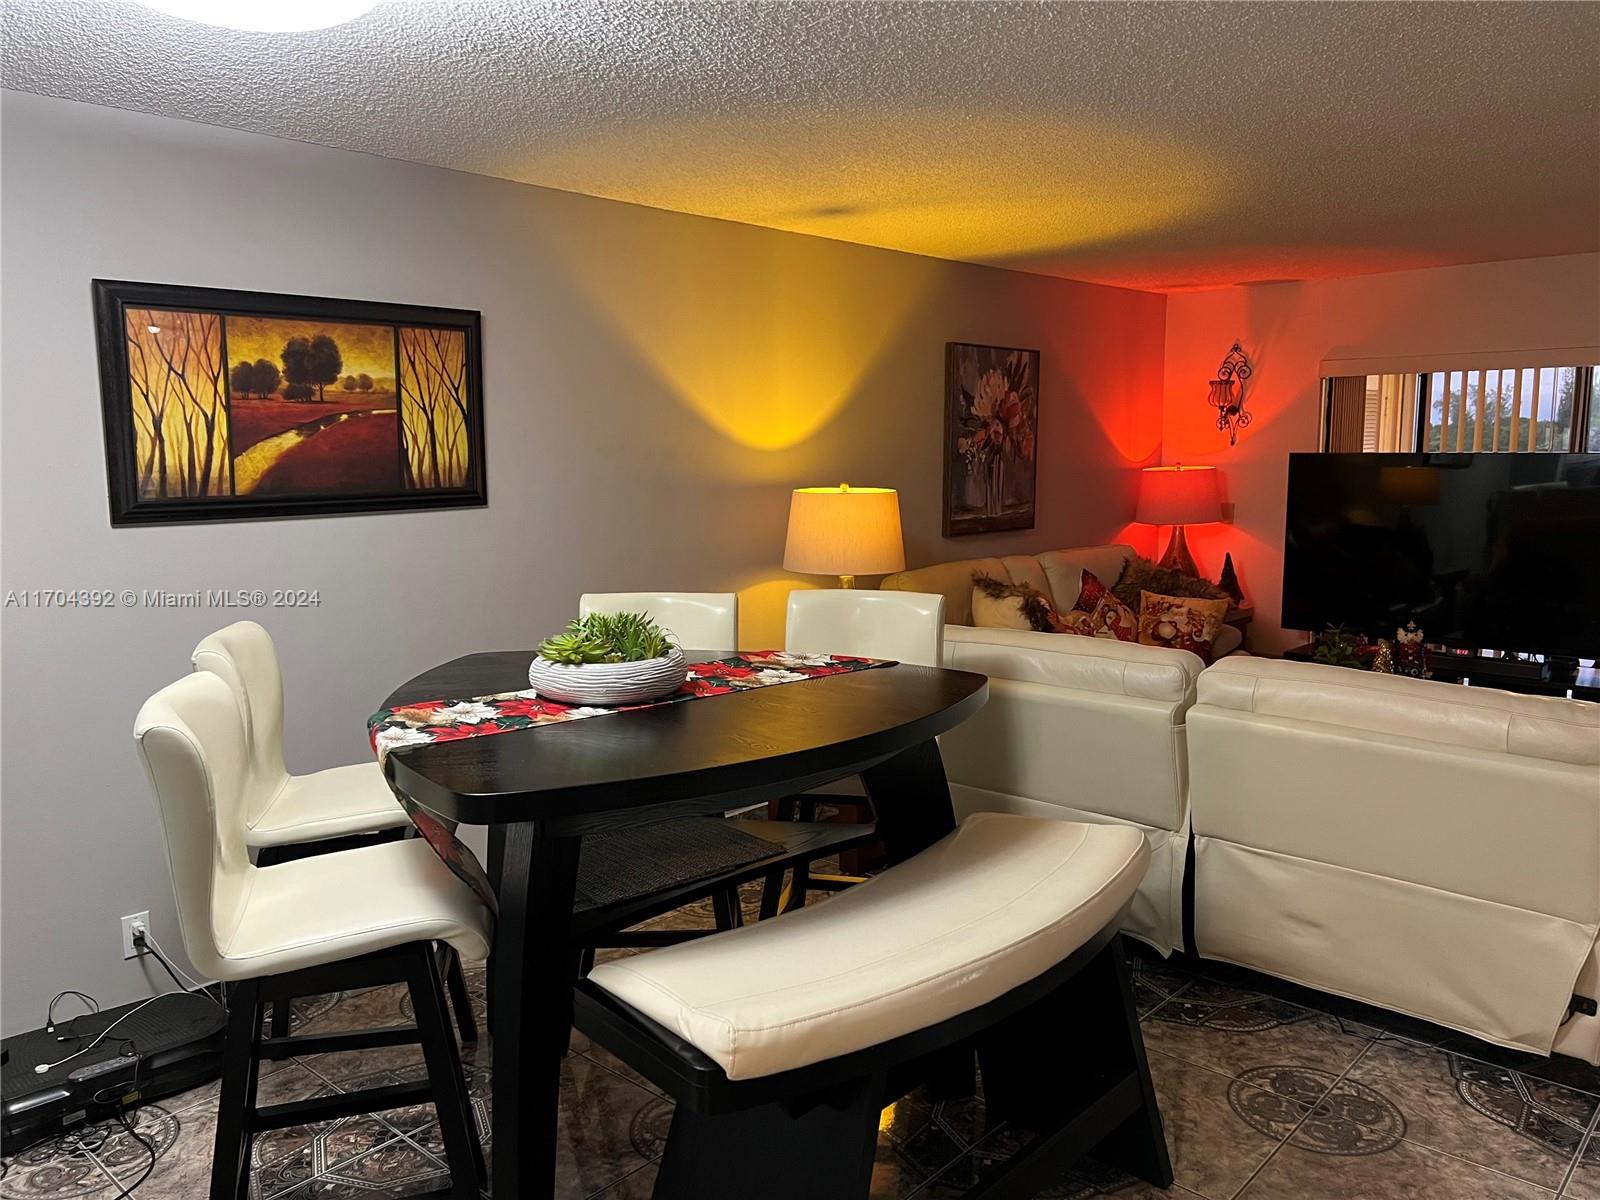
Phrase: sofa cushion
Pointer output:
(1182, 622)
(1108, 616)
(1003, 605)
(1064, 568)
(1481, 718)
(1142, 575)
(996, 903)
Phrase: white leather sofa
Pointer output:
(1424, 847)
(1084, 729)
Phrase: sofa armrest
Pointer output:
(1069, 661)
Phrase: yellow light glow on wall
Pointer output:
(978, 187)
(767, 341)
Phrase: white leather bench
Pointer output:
(790, 1035)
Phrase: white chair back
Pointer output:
(191, 739)
(696, 620)
(905, 626)
(243, 657)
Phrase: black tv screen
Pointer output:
(1483, 551)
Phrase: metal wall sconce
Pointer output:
(1227, 394)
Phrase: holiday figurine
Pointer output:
(1411, 656)
(1229, 581)
(1383, 660)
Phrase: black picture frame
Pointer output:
(129, 482)
(1020, 369)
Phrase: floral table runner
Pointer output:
(428, 721)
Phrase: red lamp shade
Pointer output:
(1178, 496)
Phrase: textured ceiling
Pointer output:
(1164, 145)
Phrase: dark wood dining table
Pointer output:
(542, 791)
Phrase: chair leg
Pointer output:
(450, 1096)
(230, 1160)
(725, 905)
(819, 1146)
(771, 895)
(281, 1008)
(460, 998)
(795, 897)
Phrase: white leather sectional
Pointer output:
(1087, 729)
(1426, 847)
(1420, 846)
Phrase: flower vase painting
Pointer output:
(223, 405)
(991, 435)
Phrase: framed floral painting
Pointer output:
(991, 438)
(223, 405)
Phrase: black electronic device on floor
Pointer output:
(170, 1045)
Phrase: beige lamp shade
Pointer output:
(844, 531)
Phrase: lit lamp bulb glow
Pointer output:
(265, 16)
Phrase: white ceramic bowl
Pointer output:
(608, 684)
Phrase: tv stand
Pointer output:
(1556, 677)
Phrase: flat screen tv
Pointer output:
(1483, 551)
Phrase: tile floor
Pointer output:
(1268, 1091)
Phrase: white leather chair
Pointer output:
(281, 809)
(696, 620)
(293, 816)
(355, 918)
(905, 626)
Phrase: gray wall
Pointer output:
(655, 384)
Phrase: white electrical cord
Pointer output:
(43, 1068)
(141, 933)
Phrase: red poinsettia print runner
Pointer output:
(430, 721)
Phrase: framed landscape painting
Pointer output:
(991, 438)
(223, 405)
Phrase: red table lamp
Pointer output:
(1179, 496)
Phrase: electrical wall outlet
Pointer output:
(129, 924)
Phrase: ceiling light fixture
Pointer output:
(265, 16)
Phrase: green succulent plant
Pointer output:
(608, 638)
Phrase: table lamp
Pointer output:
(1179, 496)
(844, 531)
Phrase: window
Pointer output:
(1502, 410)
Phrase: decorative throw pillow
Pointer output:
(1180, 622)
(1142, 575)
(1108, 616)
(997, 605)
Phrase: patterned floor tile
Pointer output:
(1245, 1034)
(50, 1170)
(1522, 1127)
(609, 1128)
(1406, 1171)
(637, 1186)
(1584, 1182)
(1090, 1179)
(395, 1169)
(1214, 1147)
(918, 1138)
(1156, 981)
(375, 1008)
